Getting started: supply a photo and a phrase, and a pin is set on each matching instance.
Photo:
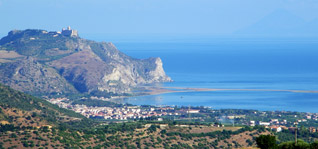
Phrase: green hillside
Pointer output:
(15, 105)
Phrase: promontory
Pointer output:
(60, 62)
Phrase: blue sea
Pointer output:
(234, 63)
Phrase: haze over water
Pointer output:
(229, 63)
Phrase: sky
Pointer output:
(160, 17)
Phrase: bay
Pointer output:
(282, 64)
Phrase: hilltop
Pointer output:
(54, 63)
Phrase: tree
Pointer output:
(300, 145)
(152, 128)
(314, 145)
(266, 142)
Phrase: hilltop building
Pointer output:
(69, 32)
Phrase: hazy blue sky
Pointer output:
(200, 17)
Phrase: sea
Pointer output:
(234, 63)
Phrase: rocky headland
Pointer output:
(56, 63)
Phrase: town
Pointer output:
(121, 113)
(274, 120)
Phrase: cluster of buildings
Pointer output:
(279, 121)
(274, 124)
(61, 102)
(69, 32)
(270, 123)
(119, 113)
(65, 32)
(138, 112)
(278, 126)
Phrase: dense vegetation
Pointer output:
(302, 133)
(125, 135)
(269, 142)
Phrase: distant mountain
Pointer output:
(41, 62)
(281, 23)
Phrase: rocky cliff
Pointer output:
(37, 61)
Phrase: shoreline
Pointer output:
(159, 90)
(165, 90)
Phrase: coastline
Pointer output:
(165, 90)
